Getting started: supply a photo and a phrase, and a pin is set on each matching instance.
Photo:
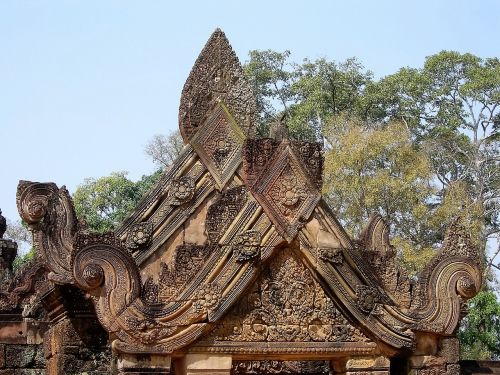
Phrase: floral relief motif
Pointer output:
(218, 143)
(207, 297)
(288, 191)
(367, 297)
(223, 211)
(281, 367)
(246, 245)
(331, 255)
(181, 190)
(139, 235)
(220, 147)
(187, 261)
(286, 305)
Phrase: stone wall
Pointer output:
(19, 359)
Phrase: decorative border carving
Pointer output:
(218, 143)
(286, 193)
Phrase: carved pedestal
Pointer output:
(193, 364)
(75, 342)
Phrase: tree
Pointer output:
(324, 90)
(269, 73)
(164, 149)
(452, 108)
(479, 332)
(105, 202)
(379, 170)
(306, 95)
(17, 231)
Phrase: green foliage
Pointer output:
(379, 170)
(419, 146)
(105, 202)
(22, 260)
(479, 332)
(322, 90)
(269, 74)
(306, 94)
(450, 109)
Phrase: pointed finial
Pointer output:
(217, 76)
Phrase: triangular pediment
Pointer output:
(285, 307)
(235, 247)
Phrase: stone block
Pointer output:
(2, 356)
(20, 356)
(205, 363)
(63, 364)
(449, 349)
(25, 371)
(135, 364)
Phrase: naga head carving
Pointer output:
(50, 214)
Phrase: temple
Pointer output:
(232, 264)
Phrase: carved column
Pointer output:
(143, 364)
(368, 366)
(75, 341)
(193, 364)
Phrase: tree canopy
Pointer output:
(448, 114)
(105, 202)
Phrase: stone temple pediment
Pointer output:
(235, 252)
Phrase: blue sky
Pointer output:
(85, 84)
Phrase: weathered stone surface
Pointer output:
(234, 254)
(2, 356)
(216, 76)
(24, 356)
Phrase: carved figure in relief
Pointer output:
(217, 75)
(260, 195)
(246, 245)
(286, 304)
(188, 259)
(281, 367)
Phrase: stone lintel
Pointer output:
(193, 364)
(368, 365)
(143, 364)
